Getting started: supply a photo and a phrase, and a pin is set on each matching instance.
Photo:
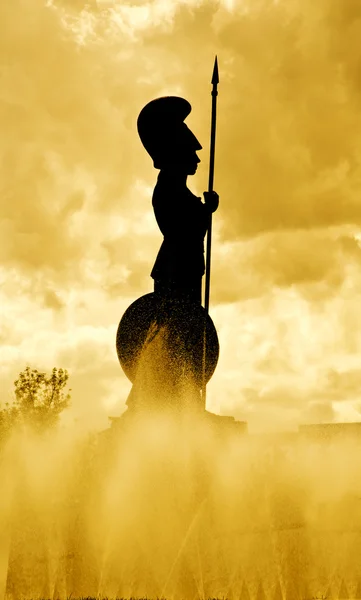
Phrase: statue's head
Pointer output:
(166, 137)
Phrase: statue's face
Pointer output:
(186, 163)
(191, 163)
(175, 148)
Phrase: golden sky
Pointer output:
(78, 238)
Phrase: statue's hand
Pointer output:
(212, 200)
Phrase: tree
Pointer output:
(39, 400)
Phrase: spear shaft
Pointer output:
(214, 81)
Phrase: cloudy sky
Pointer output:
(78, 238)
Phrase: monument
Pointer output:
(168, 331)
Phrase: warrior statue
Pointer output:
(181, 216)
(166, 342)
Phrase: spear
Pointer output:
(214, 82)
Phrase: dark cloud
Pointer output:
(291, 119)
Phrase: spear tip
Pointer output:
(215, 76)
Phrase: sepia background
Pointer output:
(78, 237)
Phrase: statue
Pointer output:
(166, 342)
(181, 216)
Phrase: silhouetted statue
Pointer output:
(160, 337)
(182, 217)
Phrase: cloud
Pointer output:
(317, 263)
(318, 412)
(290, 119)
(341, 386)
(78, 235)
(64, 112)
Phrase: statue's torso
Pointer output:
(182, 218)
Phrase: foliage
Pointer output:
(39, 400)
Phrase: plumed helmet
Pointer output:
(163, 132)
